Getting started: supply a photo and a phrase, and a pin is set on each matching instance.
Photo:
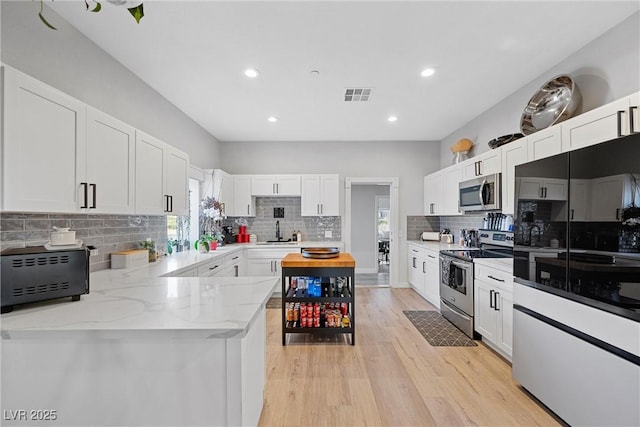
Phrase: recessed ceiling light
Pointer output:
(428, 72)
(393, 118)
(251, 72)
(272, 119)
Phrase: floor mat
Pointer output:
(274, 302)
(437, 330)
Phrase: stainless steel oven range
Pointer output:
(456, 276)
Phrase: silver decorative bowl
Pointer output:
(556, 101)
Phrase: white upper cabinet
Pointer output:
(320, 195)
(610, 194)
(544, 143)
(150, 167)
(275, 185)
(450, 191)
(44, 147)
(434, 194)
(618, 118)
(110, 163)
(60, 155)
(176, 181)
(243, 203)
(162, 180)
(486, 163)
(223, 189)
(543, 189)
(580, 194)
(513, 154)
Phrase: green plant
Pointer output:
(137, 11)
(148, 244)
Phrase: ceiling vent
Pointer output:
(353, 94)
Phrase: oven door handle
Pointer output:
(454, 309)
(459, 265)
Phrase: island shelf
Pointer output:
(318, 295)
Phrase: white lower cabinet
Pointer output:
(416, 273)
(423, 273)
(432, 278)
(266, 262)
(494, 308)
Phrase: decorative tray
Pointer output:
(321, 253)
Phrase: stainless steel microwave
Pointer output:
(480, 194)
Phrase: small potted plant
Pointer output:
(149, 245)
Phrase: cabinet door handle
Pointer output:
(495, 302)
(93, 204)
(431, 256)
(618, 213)
(414, 262)
(432, 207)
(248, 206)
(496, 279)
(424, 267)
(85, 191)
(214, 267)
(166, 203)
(620, 113)
(631, 124)
(572, 211)
(321, 208)
(171, 204)
(236, 271)
(491, 292)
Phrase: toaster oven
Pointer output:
(34, 274)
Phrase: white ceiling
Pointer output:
(194, 54)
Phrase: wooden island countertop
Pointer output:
(297, 260)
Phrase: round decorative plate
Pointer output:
(321, 253)
(504, 139)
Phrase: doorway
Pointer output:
(371, 208)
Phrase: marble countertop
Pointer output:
(435, 245)
(138, 302)
(503, 264)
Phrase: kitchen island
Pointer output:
(139, 350)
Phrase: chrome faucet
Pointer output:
(278, 235)
(530, 232)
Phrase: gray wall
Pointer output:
(263, 225)
(408, 160)
(364, 239)
(70, 62)
(604, 70)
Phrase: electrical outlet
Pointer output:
(328, 234)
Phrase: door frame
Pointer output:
(394, 223)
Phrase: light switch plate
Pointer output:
(328, 234)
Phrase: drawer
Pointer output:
(270, 253)
(494, 277)
(210, 267)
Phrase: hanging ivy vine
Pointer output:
(95, 6)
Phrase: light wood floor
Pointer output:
(391, 377)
